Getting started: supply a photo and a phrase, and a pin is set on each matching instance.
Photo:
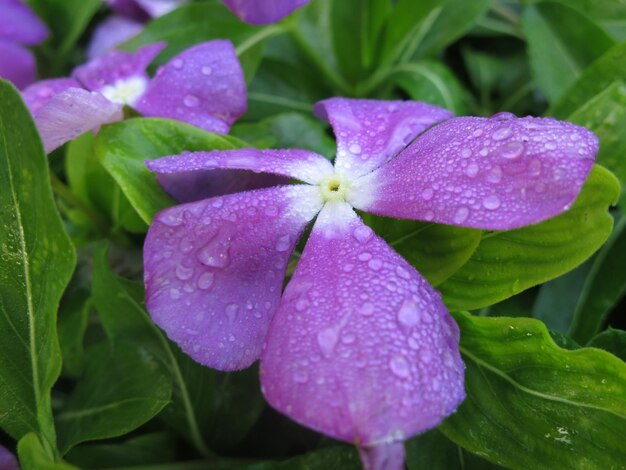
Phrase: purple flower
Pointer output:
(7, 460)
(19, 27)
(203, 86)
(358, 346)
(263, 11)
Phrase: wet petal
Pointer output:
(19, 23)
(263, 11)
(188, 176)
(39, 93)
(203, 86)
(361, 347)
(371, 132)
(7, 460)
(383, 457)
(214, 270)
(17, 64)
(110, 33)
(497, 173)
(119, 71)
(128, 8)
(156, 8)
(72, 113)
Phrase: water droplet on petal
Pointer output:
(408, 315)
(178, 63)
(302, 305)
(362, 233)
(501, 133)
(400, 366)
(327, 340)
(231, 312)
(511, 150)
(283, 243)
(494, 175)
(205, 281)
(215, 253)
(471, 170)
(534, 167)
(191, 101)
(503, 116)
(403, 273)
(466, 153)
(300, 377)
(183, 272)
(174, 293)
(375, 264)
(427, 194)
(355, 149)
(461, 215)
(367, 309)
(206, 70)
(491, 202)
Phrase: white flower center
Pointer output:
(335, 188)
(125, 90)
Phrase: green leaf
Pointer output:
(194, 23)
(611, 340)
(201, 396)
(506, 263)
(609, 68)
(73, 319)
(337, 457)
(437, 251)
(123, 147)
(34, 455)
(67, 19)
(288, 130)
(605, 115)
(432, 82)
(530, 402)
(603, 288)
(37, 262)
(122, 388)
(561, 44)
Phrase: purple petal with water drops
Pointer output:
(119, 74)
(361, 347)
(203, 86)
(198, 175)
(494, 173)
(371, 132)
(156, 8)
(17, 64)
(71, 113)
(18, 23)
(214, 270)
(263, 11)
(39, 93)
(7, 460)
(110, 33)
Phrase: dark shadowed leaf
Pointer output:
(611, 340)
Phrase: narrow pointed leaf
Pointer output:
(37, 262)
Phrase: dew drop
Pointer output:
(301, 377)
(302, 305)
(283, 243)
(205, 281)
(191, 101)
(355, 149)
(427, 194)
(429, 215)
(408, 315)
(206, 70)
(461, 215)
(512, 150)
(375, 264)
(503, 116)
(367, 309)
(185, 245)
(362, 233)
(403, 273)
(365, 256)
(327, 340)
(501, 133)
(550, 146)
(471, 170)
(178, 64)
(534, 168)
(174, 293)
(183, 273)
(400, 366)
(466, 153)
(494, 175)
(215, 253)
(231, 312)
(491, 202)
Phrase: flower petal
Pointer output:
(370, 132)
(116, 66)
(263, 11)
(203, 86)
(128, 8)
(110, 33)
(361, 347)
(494, 173)
(156, 8)
(214, 270)
(19, 23)
(71, 113)
(17, 64)
(39, 93)
(7, 460)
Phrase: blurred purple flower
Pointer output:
(7, 460)
(263, 11)
(19, 27)
(203, 86)
(359, 346)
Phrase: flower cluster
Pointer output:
(19, 27)
(358, 346)
(203, 86)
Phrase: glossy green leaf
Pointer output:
(605, 115)
(435, 451)
(201, 397)
(506, 263)
(122, 388)
(609, 68)
(37, 262)
(530, 402)
(194, 23)
(33, 455)
(336, 457)
(123, 147)
(432, 82)
(604, 287)
(437, 251)
(611, 340)
(561, 43)
(288, 130)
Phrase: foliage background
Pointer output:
(88, 381)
